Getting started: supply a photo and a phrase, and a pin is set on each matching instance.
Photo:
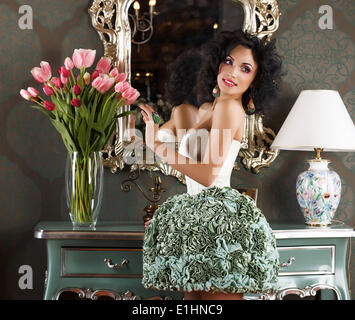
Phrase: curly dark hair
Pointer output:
(180, 87)
(265, 86)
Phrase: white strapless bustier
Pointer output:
(166, 136)
(188, 147)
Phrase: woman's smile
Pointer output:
(229, 83)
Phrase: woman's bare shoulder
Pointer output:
(226, 106)
(205, 106)
(184, 109)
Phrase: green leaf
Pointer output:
(123, 114)
(110, 114)
(102, 141)
(82, 136)
(76, 122)
(84, 93)
(92, 114)
(63, 107)
(62, 129)
(84, 110)
(93, 146)
(108, 133)
(97, 127)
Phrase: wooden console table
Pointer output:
(108, 261)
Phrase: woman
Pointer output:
(213, 242)
(180, 92)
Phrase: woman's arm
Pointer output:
(228, 117)
(185, 116)
(182, 118)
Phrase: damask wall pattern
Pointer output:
(32, 156)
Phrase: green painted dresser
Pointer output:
(108, 261)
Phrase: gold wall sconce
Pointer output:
(142, 24)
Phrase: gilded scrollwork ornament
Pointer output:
(255, 152)
(261, 17)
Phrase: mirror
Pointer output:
(177, 26)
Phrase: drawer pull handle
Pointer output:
(115, 266)
(288, 263)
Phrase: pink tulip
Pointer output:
(63, 79)
(86, 78)
(121, 77)
(48, 90)
(83, 58)
(64, 72)
(133, 98)
(104, 65)
(42, 74)
(114, 72)
(68, 63)
(49, 105)
(77, 89)
(33, 91)
(95, 74)
(76, 103)
(57, 82)
(122, 86)
(103, 83)
(130, 95)
(25, 94)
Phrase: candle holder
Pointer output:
(142, 23)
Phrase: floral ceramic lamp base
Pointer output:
(318, 193)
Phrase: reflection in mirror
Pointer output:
(180, 91)
(178, 26)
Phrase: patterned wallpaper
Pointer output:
(32, 156)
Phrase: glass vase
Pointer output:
(84, 185)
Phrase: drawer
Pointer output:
(90, 262)
(306, 260)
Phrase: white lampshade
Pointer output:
(318, 119)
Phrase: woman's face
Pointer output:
(236, 72)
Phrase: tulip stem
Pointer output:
(82, 189)
(107, 100)
(53, 87)
(72, 75)
(35, 101)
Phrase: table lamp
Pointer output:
(317, 121)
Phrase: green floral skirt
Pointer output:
(216, 240)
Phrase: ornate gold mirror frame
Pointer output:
(110, 19)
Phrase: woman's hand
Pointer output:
(132, 127)
(151, 128)
(147, 223)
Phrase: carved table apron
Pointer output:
(108, 260)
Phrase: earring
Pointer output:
(216, 92)
(251, 106)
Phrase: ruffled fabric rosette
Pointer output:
(214, 240)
